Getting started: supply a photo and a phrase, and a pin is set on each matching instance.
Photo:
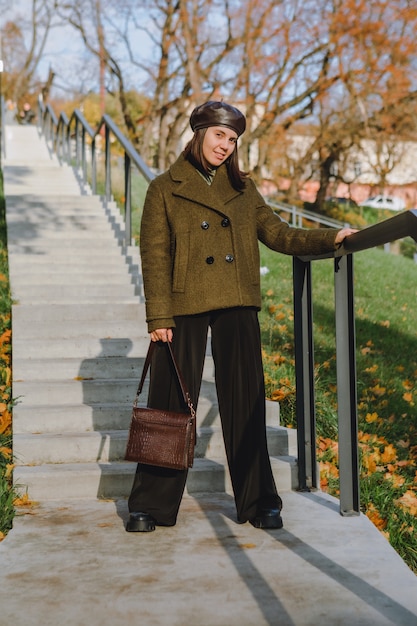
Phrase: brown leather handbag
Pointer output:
(158, 437)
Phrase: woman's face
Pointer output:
(218, 144)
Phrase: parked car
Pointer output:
(391, 203)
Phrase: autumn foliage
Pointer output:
(5, 386)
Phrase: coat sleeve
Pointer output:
(281, 237)
(155, 244)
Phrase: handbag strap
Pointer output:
(183, 386)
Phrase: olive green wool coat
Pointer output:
(199, 244)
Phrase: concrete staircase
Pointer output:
(79, 340)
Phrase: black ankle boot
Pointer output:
(140, 523)
(267, 518)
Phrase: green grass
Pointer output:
(7, 494)
(386, 333)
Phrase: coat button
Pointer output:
(229, 258)
(210, 260)
(204, 225)
(225, 222)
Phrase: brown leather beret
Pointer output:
(214, 113)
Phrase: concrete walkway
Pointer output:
(70, 562)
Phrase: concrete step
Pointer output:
(42, 367)
(70, 210)
(62, 232)
(110, 445)
(59, 202)
(75, 252)
(68, 369)
(74, 262)
(40, 186)
(82, 348)
(96, 299)
(41, 208)
(84, 390)
(71, 293)
(80, 278)
(77, 418)
(48, 209)
(75, 391)
(71, 418)
(50, 166)
(42, 181)
(48, 246)
(71, 213)
(114, 480)
(74, 277)
(96, 226)
(77, 312)
(73, 268)
(57, 329)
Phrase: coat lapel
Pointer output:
(192, 187)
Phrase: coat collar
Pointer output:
(192, 187)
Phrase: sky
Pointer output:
(65, 53)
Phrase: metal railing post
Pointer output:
(83, 155)
(128, 202)
(68, 144)
(304, 375)
(107, 164)
(93, 167)
(77, 144)
(346, 387)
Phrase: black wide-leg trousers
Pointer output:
(239, 378)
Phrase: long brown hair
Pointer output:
(193, 152)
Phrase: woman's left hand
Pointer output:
(345, 232)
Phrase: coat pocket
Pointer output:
(181, 254)
(249, 245)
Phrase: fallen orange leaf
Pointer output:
(378, 390)
(396, 479)
(408, 502)
(389, 454)
(373, 514)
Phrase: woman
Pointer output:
(201, 224)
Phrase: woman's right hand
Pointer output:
(162, 334)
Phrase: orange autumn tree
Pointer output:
(281, 62)
(373, 98)
(325, 62)
(24, 32)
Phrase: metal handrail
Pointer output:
(58, 132)
(401, 225)
(298, 216)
